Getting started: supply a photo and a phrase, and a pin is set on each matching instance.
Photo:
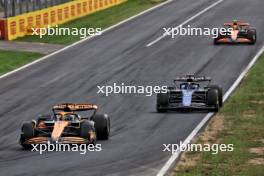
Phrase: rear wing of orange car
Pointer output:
(74, 107)
(238, 23)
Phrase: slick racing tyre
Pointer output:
(27, 133)
(216, 41)
(28, 130)
(212, 99)
(220, 93)
(102, 126)
(252, 36)
(220, 36)
(162, 102)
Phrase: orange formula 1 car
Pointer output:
(240, 33)
(66, 126)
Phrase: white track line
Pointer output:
(185, 22)
(83, 40)
(174, 157)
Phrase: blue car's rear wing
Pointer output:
(192, 78)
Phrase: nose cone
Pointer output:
(58, 130)
(234, 35)
(187, 97)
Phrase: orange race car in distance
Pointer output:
(240, 33)
(66, 126)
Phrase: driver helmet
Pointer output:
(187, 85)
(235, 24)
(68, 117)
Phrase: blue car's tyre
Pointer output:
(162, 102)
(212, 99)
(220, 93)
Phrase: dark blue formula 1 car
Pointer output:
(191, 93)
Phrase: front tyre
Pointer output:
(27, 133)
(216, 41)
(162, 102)
(28, 130)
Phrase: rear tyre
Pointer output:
(252, 35)
(212, 99)
(162, 102)
(220, 93)
(102, 126)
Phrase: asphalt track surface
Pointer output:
(121, 55)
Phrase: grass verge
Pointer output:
(241, 123)
(10, 60)
(101, 19)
